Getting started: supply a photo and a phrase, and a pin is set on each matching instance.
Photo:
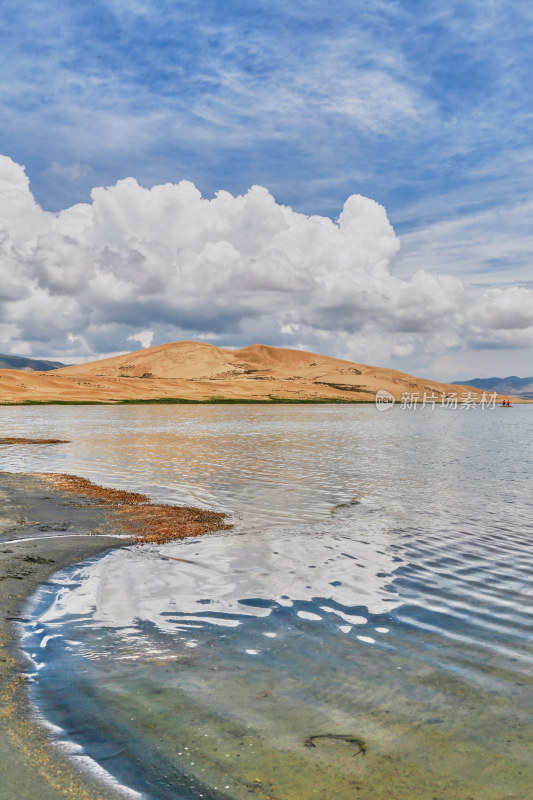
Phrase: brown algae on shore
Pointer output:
(82, 487)
(146, 522)
(24, 440)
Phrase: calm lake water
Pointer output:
(377, 586)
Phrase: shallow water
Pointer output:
(378, 584)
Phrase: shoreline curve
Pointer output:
(49, 522)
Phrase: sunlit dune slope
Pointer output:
(199, 371)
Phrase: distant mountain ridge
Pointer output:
(513, 385)
(33, 364)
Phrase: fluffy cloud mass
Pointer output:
(139, 266)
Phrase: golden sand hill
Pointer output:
(200, 371)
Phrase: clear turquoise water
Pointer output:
(378, 583)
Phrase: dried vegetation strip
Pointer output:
(22, 440)
(137, 516)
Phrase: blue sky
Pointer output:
(424, 107)
(402, 101)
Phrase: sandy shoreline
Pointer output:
(63, 523)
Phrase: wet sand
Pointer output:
(47, 523)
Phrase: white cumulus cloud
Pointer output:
(161, 264)
(144, 337)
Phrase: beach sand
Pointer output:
(64, 520)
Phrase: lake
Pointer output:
(376, 592)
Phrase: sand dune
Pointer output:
(200, 371)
